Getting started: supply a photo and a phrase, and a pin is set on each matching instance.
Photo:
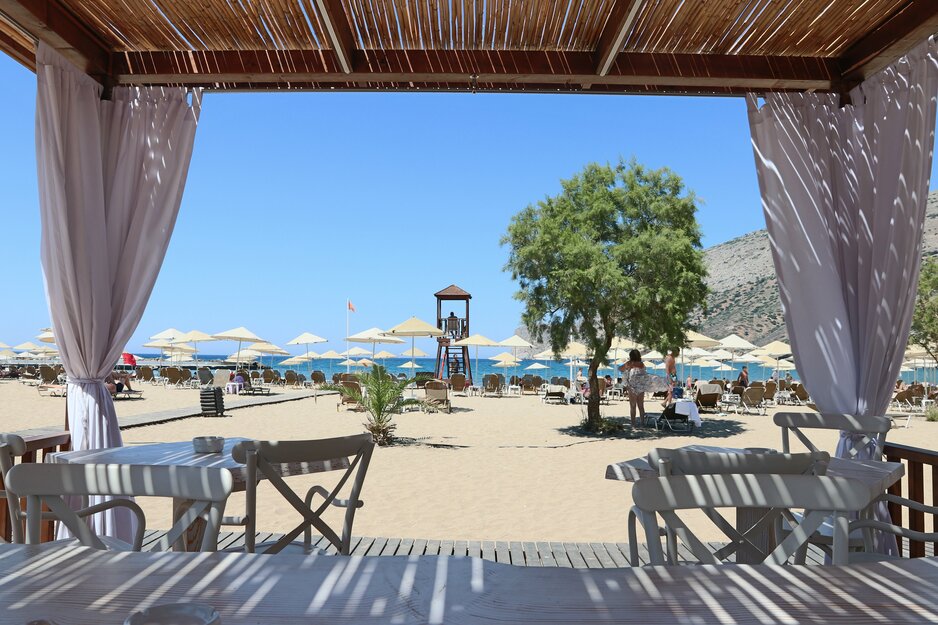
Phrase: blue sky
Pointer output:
(296, 202)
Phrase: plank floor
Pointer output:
(526, 553)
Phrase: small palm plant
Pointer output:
(381, 395)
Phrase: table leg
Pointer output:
(192, 540)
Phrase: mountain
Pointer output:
(744, 289)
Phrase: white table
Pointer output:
(877, 476)
(182, 454)
(80, 585)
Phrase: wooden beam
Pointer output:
(380, 69)
(340, 34)
(50, 22)
(613, 36)
(898, 34)
(16, 44)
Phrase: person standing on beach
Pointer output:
(633, 371)
(670, 368)
(743, 379)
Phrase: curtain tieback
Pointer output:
(85, 381)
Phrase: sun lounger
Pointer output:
(458, 383)
(437, 396)
(751, 400)
(126, 394)
(52, 390)
(555, 393)
(708, 396)
(248, 387)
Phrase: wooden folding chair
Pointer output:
(262, 458)
(866, 436)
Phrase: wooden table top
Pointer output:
(877, 475)
(182, 454)
(71, 585)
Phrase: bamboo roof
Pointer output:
(714, 47)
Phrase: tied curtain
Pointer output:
(844, 191)
(111, 178)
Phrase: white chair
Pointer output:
(864, 436)
(688, 462)
(206, 489)
(819, 496)
(11, 446)
(261, 458)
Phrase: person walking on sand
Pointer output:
(633, 371)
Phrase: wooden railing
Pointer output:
(37, 446)
(913, 486)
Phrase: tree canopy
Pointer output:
(616, 254)
(924, 329)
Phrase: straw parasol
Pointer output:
(476, 340)
(7, 353)
(409, 365)
(536, 366)
(27, 346)
(4, 345)
(503, 356)
(384, 355)
(776, 350)
(195, 337)
(653, 355)
(413, 328)
(46, 336)
(696, 339)
(356, 351)
(547, 354)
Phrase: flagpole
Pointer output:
(348, 308)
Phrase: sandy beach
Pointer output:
(507, 468)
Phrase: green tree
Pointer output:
(616, 253)
(924, 330)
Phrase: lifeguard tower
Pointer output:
(451, 358)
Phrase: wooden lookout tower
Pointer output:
(451, 358)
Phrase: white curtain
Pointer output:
(844, 190)
(111, 177)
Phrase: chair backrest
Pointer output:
(222, 377)
(817, 495)
(170, 374)
(770, 388)
(739, 390)
(490, 383)
(800, 391)
(11, 447)
(47, 374)
(538, 381)
(205, 376)
(436, 390)
(691, 462)
(458, 382)
(184, 375)
(753, 396)
(262, 456)
(866, 436)
(709, 389)
(48, 483)
(290, 376)
(145, 373)
(319, 377)
(268, 376)
(757, 383)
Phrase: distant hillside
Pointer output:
(744, 289)
(744, 297)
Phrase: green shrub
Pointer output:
(931, 413)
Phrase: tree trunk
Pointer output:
(593, 418)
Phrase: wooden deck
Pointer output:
(527, 553)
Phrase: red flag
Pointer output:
(350, 305)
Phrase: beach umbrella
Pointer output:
(306, 339)
(547, 354)
(269, 349)
(413, 352)
(46, 336)
(724, 368)
(6, 354)
(356, 351)
(295, 360)
(696, 339)
(349, 362)
(364, 362)
(476, 340)
(27, 346)
(240, 334)
(413, 328)
(167, 335)
(653, 355)
(620, 344)
(384, 354)
(536, 366)
(776, 350)
(736, 343)
(373, 336)
(160, 344)
(331, 355)
(26, 356)
(505, 364)
(660, 365)
(195, 337)
(721, 354)
(4, 345)
(503, 356)
(515, 342)
(409, 365)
